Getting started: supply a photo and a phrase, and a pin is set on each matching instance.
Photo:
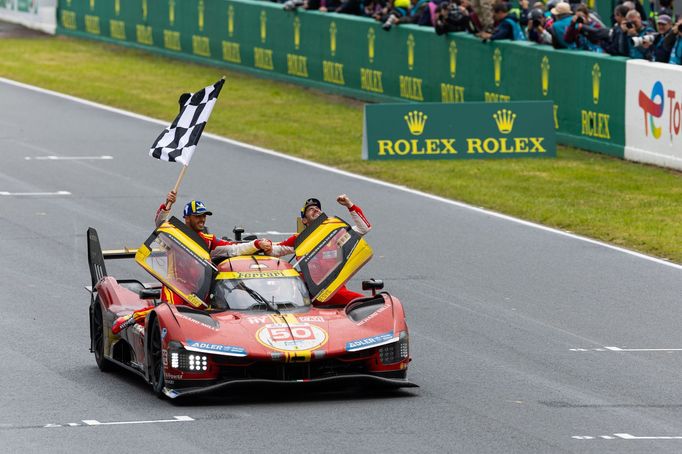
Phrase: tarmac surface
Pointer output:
(523, 340)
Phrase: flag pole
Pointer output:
(177, 183)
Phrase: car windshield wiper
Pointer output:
(257, 296)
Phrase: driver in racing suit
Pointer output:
(312, 208)
(195, 213)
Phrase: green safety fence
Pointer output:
(354, 56)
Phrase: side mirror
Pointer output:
(373, 285)
(238, 233)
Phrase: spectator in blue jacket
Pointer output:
(563, 16)
(635, 35)
(507, 26)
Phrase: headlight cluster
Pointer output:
(188, 361)
(397, 351)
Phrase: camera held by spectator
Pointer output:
(648, 40)
(450, 17)
(392, 19)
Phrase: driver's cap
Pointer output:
(310, 203)
(195, 207)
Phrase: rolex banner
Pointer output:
(459, 131)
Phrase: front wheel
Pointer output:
(155, 358)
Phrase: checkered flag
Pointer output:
(177, 142)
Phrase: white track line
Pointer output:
(34, 194)
(352, 175)
(68, 158)
(94, 422)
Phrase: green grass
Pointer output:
(623, 203)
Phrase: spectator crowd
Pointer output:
(629, 32)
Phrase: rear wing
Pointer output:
(96, 257)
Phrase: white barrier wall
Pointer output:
(36, 14)
(653, 113)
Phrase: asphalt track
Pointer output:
(508, 322)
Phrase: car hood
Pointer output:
(314, 333)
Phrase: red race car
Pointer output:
(247, 319)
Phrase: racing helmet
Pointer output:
(310, 203)
(195, 207)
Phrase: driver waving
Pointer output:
(312, 208)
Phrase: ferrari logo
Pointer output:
(117, 7)
(497, 61)
(92, 5)
(596, 78)
(230, 20)
(297, 32)
(545, 75)
(171, 12)
(263, 26)
(410, 51)
(145, 10)
(453, 58)
(202, 9)
(332, 38)
(371, 37)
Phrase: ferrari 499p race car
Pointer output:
(247, 319)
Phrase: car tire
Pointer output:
(103, 364)
(156, 377)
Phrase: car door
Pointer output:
(179, 258)
(329, 253)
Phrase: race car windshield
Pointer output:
(260, 294)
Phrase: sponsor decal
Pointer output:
(497, 67)
(257, 274)
(652, 106)
(332, 38)
(311, 318)
(455, 131)
(263, 26)
(372, 315)
(369, 342)
(214, 348)
(168, 376)
(544, 68)
(452, 50)
(259, 320)
(297, 32)
(164, 331)
(371, 40)
(291, 337)
(653, 114)
(164, 357)
(196, 322)
(230, 20)
(410, 51)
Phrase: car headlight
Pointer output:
(198, 362)
(397, 351)
(184, 360)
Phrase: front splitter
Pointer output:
(354, 380)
